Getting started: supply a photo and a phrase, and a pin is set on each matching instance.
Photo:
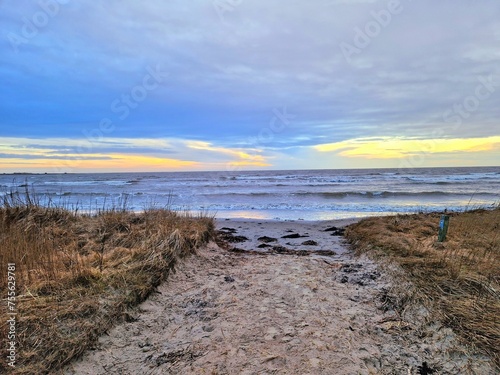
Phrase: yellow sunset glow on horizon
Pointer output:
(397, 148)
(56, 155)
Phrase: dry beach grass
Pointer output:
(458, 279)
(77, 275)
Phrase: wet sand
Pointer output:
(291, 307)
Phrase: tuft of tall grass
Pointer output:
(459, 278)
(77, 275)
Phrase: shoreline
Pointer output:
(301, 216)
(286, 235)
(345, 221)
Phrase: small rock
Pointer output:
(326, 252)
(208, 328)
(236, 250)
(267, 239)
(280, 249)
(294, 235)
(372, 275)
(129, 318)
(336, 231)
(239, 239)
(144, 344)
(310, 243)
(229, 237)
(349, 268)
(229, 279)
(425, 369)
(331, 229)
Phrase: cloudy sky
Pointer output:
(157, 85)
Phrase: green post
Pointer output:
(443, 227)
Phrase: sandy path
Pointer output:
(238, 313)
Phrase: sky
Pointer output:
(124, 85)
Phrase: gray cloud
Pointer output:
(227, 74)
(51, 157)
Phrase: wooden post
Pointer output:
(443, 227)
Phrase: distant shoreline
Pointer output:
(250, 170)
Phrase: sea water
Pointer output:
(280, 195)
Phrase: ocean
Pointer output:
(274, 195)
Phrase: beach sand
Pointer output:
(293, 307)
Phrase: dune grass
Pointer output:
(78, 275)
(459, 278)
